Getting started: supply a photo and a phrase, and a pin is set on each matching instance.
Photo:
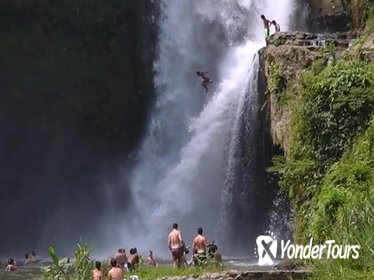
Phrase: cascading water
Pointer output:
(187, 164)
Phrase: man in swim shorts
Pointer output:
(266, 24)
(176, 246)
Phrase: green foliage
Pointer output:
(329, 168)
(64, 270)
(330, 48)
(81, 269)
(337, 105)
(82, 265)
(58, 270)
(277, 81)
(347, 193)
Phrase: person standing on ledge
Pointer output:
(277, 26)
(266, 24)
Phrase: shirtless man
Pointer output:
(27, 259)
(121, 257)
(96, 272)
(176, 246)
(199, 245)
(206, 79)
(11, 265)
(116, 272)
(266, 24)
(277, 26)
(200, 242)
(133, 260)
(34, 257)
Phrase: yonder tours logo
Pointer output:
(267, 250)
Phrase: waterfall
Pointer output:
(188, 162)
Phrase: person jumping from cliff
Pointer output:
(277, 26)
(206, 79)
(266, 24)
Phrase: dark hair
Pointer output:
(200, 230)
(119, 250)
(26, 255)
(98, 265)
(274, 22)
(263, 17)
(113, 262)
(198, 73)
(150, 252)
(11, 261)
(175, 226)
(132, 251)
(33, 253)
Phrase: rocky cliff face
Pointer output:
(284, 60)
(335, 15)
(329, 15)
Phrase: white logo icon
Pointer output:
(267, 246)
(266, 249)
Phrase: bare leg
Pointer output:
(205, 85)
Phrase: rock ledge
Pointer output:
(244, 275)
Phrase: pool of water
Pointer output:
(30, 272)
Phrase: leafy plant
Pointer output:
(82, 265)
(329, 168)
(62, 269)
(58, 270)
(330, 48)
(277, 81)
(337, 106)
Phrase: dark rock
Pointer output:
(340, 40)
(328, 16)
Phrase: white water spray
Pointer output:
(181, 166)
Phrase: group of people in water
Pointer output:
(178, 250)
(267, 24)
(29, 258)
(121, 263)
